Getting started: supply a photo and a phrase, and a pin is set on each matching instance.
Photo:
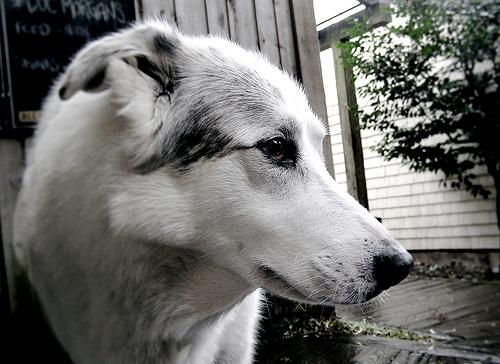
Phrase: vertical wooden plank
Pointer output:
(266, 29)
(349, 125)
(285, 36)
(191, 16)
(11, 167)
(161, 8)
(217, 18)
(310, 66)
(138, 9)
(242, 23)
(494, 259)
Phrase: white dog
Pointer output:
(170, 178)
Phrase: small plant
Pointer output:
(306, 334)
(335, 328)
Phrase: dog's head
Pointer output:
(220, 152)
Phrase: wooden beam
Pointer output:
(349, 124)
(377, 16)
(285, 36)
(266, 28)
(310, 66)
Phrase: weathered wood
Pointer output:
(377, 15)
(349, 124)
(161, 8)
(11, 167)
(28, 145)
(138, 9)
(242, 23)
(191, 16)
(217, 17)
(494, 258)
(285, 36)
(266, 29)
(451, 307)
(419, 352)
(310, 66)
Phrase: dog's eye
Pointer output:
(276, 148)
(279, 150)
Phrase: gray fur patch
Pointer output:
(209, 94)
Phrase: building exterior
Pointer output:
(420, 212)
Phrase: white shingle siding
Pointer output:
(415, 207)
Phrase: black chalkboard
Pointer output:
(40, 36)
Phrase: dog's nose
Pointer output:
(391, 268)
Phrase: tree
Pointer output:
(432, 78)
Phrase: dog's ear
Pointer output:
(89, 70)
(139, 69)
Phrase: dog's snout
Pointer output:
(391, 268)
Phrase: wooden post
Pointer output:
(285, 36)
(349, 124)
(310, 67)
(377, 14)
(11, 167)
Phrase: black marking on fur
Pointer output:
(164, 44)
(200, 143)
(150, 69)
(96, 80)
(164, 77)
(62, 92)
(197, 135)
(183, 164)
(198, 139)
(167, 89)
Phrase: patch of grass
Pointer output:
(292, 333)
(334, 327)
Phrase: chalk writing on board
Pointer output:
(43, 35)
(45, 30)
(44, 64)
(42, 29)
(88, 9)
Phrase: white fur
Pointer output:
(163, 267)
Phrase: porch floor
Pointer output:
(461, 320)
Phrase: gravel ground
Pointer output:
(454, 270)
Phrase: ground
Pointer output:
(423, 320)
